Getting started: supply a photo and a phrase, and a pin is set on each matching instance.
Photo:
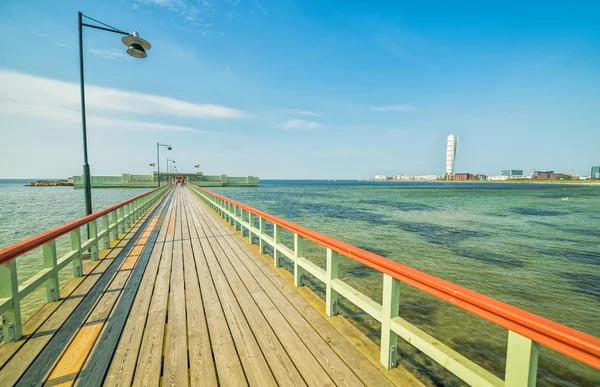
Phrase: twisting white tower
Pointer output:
(451, 154)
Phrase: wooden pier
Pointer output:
(182, 300)
(172, 287)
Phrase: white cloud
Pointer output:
(62, 45)
(298, 112)
(392, 108)
(22, 89)
(40, 34)
(299, 125)
(112, 53)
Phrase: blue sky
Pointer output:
(302, 89)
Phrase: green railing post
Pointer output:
(390, 309)
(115, 229)
(521, 361)
(52, 283)
(331, 296)
(106, 237)
(298, 252)
(231, 215)
(250, 225)
(122, 219)
(126, 218)
(276, 241)
(76, 246)
(242, 221)
(93, 227)
(262, 228)
(12, 327)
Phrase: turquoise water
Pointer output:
(522, 244)
(28, 211)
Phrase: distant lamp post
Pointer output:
(158, 145)
(169, 166)
(197, 166)
(137, 48)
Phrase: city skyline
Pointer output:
(282, 89)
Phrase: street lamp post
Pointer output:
(158, 145)
(137, 48)
(168, 166)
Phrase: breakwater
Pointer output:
(50, 183)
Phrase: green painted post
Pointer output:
(521, 361)
(76, 246)
(93, 228)
(262, 228)
(251, 224)
(122, 219)
(331, 296)
(12, 327)
(277, 241)
(298, 252)
(106, 236)
(231, 215)
(242, 221)
(126, 217)
(115, 230)
(52, 283)
(390, 309)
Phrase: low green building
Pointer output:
(127, 180)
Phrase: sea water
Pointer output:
(524, 244)
(519, 243)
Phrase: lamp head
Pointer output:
(136, 46)
(169, 147)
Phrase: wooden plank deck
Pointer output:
(184, 301)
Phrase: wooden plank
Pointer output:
(282, 366)
(229, 368)
(364, 369)
(38, 318)
(71, 362)
(32, 367)
(313, 309)
(202, 368)
(149, 362)
(175, 365)
(123, 363)
(255, 365)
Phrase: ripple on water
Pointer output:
(489, 258)
(402, 206)
(584, 283)
(536, 211)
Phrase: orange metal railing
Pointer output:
(575, 344)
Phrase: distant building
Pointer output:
(451, 147)
(514, 173)
(381, 177)
(481, 176)
(545, 175)
(498, 178)
(595, 173)
(464, 176)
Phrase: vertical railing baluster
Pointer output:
(122, 219)
(276, 242)
(261, 228)
(93, 229)
(231, 215)
(390, 309)
(250, 225)
(52, 283)
(298, 252)
(126, 216)
(76, 246)
(331, 296)
(115, 225)
(242, 221)
(12, 327)
(521, 361)
(106, 237)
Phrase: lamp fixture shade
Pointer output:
(136, 51)
(137, 46)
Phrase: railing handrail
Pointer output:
(568, 341)
(13, 251)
